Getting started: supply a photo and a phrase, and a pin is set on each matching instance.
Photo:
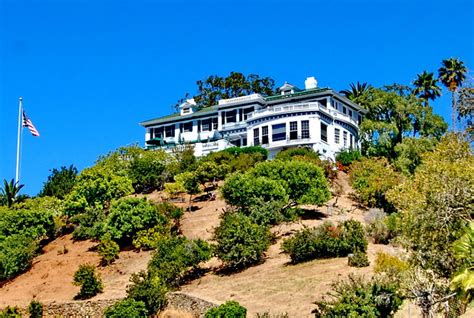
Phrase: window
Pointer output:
(351, 141)
(324, 132)
(323, 102)
(231, 116)
(206, 124)
(186, 110)
(247, 111)
(265, 135)
(187, 127)
(350, 113)
(156, 132)
(244, 142)
(359, 119)
(256, 137)
(305, 129)
(279, 132)
(337, 134)
(293, 130)
(345, 138)
(169, 131)
(344, 110)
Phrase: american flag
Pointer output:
(28, 123)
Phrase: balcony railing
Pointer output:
(285, 108)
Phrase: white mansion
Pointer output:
(319, 118)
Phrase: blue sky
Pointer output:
(90, 70)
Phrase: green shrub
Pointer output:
(240, 242)
(10, 312)
(325, 241)
(347, 157)
(269, 212)
(174, 256)
(60, 182)
(244, 190)
(35, 309)
(229, 309)
(128, 216)
(372, 178)
(381, 228)
(37, 224)
(358, 259)
(289, 154)
(16, 254)
(304, 182)
(108, 249)
(96, 187)
(88, 280)
(128, 308)
(90, 224)
(390, 265)
(358, 298)
(147, 172)
(149, 289)
(247, 150)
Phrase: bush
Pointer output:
(358, 298)
(347, 157)
(96, 187)
(148, 289)
(128, 216)
(88, 280)
(147, 172)
(37, 224)
(60, 182)
(16, 253)
(244, 190)
(390, 265)
(240, 242)
(108, 249)
(304, 182)
(35, 309)
(247, 150)
(372, 178)
(129, 308)
(89, 224)
(269, 212)
(230, 309)
(174, 256)
(381, 228)
(10, 312)
(325, 241)
(358, 259)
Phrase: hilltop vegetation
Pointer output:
(416, 182)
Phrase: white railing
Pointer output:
(284, 108)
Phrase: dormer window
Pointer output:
(288, 89)
(186, 110)
(187, 107)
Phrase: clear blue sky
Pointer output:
(90, 70)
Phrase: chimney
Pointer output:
(310, 83)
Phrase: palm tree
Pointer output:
(452, 74)
(356, 90)
(10, 190)
(426, 87)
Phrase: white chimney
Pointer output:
(310, 83)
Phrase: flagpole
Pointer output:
(17, 174)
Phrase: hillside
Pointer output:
(274, 286)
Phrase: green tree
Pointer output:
(60, 182)
(147, 172)
(409, 152)
(465, 108)
(240, 242)
(127, 307)
(128, 216)
(426, 87)
(391, 117)
(436, 204)
(229, 309)
(89, 281)
(10, 191)
(96, 187)
(190, 183)
(452, 75)
(214, 88)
